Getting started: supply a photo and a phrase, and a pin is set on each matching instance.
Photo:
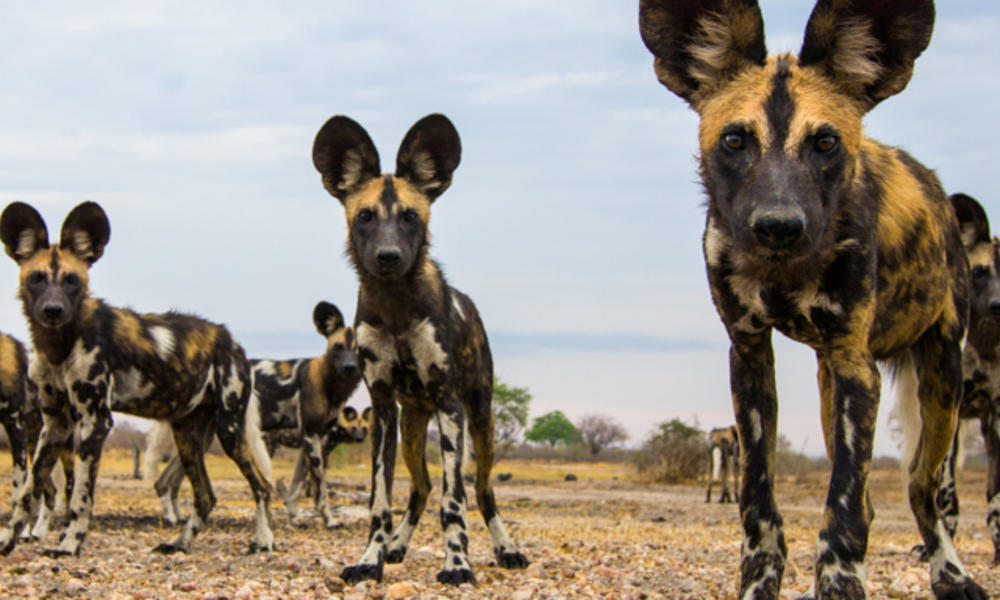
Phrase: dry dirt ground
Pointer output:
(603, 536)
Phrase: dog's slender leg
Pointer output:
(457, 569)
(312, 451)
(990, 426)
(167, 488)
(189, 435)
(755, 403)
(413, 426)
(299, 479)
(947, 494)
(91, 401)
(849, 389)
(939, 372)
(480, 418)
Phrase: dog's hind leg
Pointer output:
(480, 418)
(990, 426)
(937, 358)
(189, 434)
(413, 427)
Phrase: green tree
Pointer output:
(552, 428)
(510, 415)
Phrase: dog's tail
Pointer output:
(255, 439)
(159, 436)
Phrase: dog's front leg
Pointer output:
(457, 570)
(755, 402)
(849, 391)
(90, 400)
(383, 463)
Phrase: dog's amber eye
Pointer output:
(827, 143)
(733, 141)
(36, 278)
(980, 272)
(71, 279)
(410, 215)
(365, 215)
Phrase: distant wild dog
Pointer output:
(305, 395)
(92, 358)
(834, 239)
(980, 368)
(724, 459)
(421, 342)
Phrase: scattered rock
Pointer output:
(401, 590)
(570, 477)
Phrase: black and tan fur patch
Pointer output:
(421, 342)
(832, 238)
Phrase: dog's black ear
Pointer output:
(327, 319)
(429, 154)
(85, 232)
(972, 221)
(867, 48)
(348, 414)
(699, 45)
(345, 156)
(23, 231)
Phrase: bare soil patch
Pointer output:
(597, 537)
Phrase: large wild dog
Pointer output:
(92, 358)
(723, 462)
(834, 239)
(421, 341)
(980, 368)
(304, 394)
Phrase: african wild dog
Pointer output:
(421, 342)
(305, 395)
(834, 239)
(350, 428)
(724, 458)
(92, 358)
(980, 368)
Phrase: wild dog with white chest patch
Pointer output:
(92, 358)
(421, 342)
(980, 368)
(304, 395)
(836, 240)
(724, 459)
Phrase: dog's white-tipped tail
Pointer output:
(159, 436)
(255, 439)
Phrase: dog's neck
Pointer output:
(395, 304)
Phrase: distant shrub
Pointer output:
(673, 452)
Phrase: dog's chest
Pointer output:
(409, 361)
(803, 314)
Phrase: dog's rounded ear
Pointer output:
(972, 221)
(23, 231)
(700, 45)
(349, 413)
(327, 319)
(85, 232)
(429, 154)
(345, 156)
(867, 48)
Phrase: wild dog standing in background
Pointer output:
(304, 394)
(15, 405)
(724, 458)
(91, 358)
(980, 367)
(351, 428)
(421, 341)
(834, 239)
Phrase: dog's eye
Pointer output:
(365, 215)
(980, 272)
(71, 279)
(36, 278)
(410, 216)
(733, 141)
(825, 144)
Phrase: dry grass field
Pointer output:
(603, 536)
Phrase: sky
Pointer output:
(574, 220)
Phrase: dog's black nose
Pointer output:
(778, 230)
(349, 369)
(995, 307)
(52, 312)
(388, 257)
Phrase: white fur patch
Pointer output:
(713, 243)
(426, 351)
(716, 463)
(26, 243)
(458, 307)
(164, 339)
(383, 347)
